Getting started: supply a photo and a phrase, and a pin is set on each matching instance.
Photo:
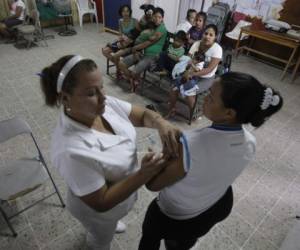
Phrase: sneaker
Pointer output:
(121, 227)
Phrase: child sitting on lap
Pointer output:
(186, 85)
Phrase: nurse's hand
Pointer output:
(152, 164)
(169, 135)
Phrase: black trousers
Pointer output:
(165, 62)
(181, 234)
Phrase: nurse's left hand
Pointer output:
(169, 135)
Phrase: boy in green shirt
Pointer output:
(168, 59)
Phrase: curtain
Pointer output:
(4, 9)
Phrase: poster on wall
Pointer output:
(266, 9)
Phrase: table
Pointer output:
(273, 37)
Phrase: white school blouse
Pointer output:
(213, 158)
(87, 159)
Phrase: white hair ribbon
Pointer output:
(65, 70)
(269, 99)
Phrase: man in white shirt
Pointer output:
(17, 17)
(189, 22)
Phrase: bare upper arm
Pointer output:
(136, 116)
(155, 37)
(95, 199)
(213, 63)
(173, 172)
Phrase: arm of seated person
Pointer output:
(174, 58)
(153, 39)
(173, 172)
(211, 66)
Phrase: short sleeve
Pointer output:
(217, 51)
(180, 53)
(194, 48)
(186, 153)
(161, 28)
(83, 175)
(123, 108)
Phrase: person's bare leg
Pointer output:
(116, 59)
(135, 81)
(3, 31)
(172, 106)
(107, 53)
(124, 69)
(191, 102)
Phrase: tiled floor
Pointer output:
(266, 194)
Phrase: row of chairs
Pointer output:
(196, 111)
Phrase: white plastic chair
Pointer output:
(22, 175)
(86, 7)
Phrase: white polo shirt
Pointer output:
(87, 159)
(213, 158)
(215, 51)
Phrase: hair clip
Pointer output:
(269, 99)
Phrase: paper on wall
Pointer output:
(274, 11)
(264, 11)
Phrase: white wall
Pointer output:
(171, 8)
(135, 6)
(192, 4)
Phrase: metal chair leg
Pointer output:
(107, 66)
(53, 183)
(14, 233)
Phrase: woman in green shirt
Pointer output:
(113, 51)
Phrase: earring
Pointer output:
(68, 109)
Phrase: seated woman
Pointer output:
(213, 55)
(113, 51)
(17, 17)
(152, 48)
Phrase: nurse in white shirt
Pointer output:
(17, 17)
(195, 190)
(213, 55)
(189, 22)
(94, 146)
